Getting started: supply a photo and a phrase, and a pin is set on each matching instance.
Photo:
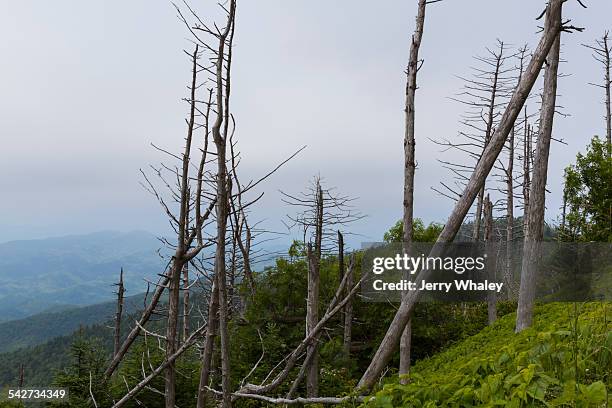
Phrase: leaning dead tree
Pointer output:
(602, 52)
(472, 188)
(485, 94)
(321, 212)
(283, 369)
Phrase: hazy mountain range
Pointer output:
(52, 274)
(56, 273)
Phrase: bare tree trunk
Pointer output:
(340, 256)
(410, 167)
(209, 342)
(186, 301)
(602, 54)
(336, 304)
(172, 334)
(312, 308)
(131, 337)
(563, 213)
(535, 214)
(608, 83)
(348, 314)
(342, 288)
(158, 370)
(509, 212)
(489, 129)
(491, 267)
(478, 215)
(178, 260)
(21, 376)
(481, 171)
(526, 172)
(118, 314)
(219, 269)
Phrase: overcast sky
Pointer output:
(86, 86)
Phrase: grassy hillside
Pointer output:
(555, 363)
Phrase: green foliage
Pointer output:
(588, 195)
(84, 378)
(554, 363)
(42, 362)
(146, 353)
(273, 322)
(420, 232)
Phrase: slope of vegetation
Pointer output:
(565, 359)
(42, 362)
(42, 327)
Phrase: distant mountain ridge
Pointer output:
(42, 327)
(78, 270)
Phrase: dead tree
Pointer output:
(312, 312)
(187, 229)
(186, 305)
(410, 165)
(184, 250)
(202, 219)
(312, 297)
(485, 94)
(189, 242)
(182, 245)
(347, 336)
(527, 166)
(190, 341)
(507, 174)
(21, 379)
(537, 194)
(488, 238)
(322, 211)
(602, 53)
(336, 304)
(220, 135)
(118, 314)
(472, 188)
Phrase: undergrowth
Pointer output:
(563, 360)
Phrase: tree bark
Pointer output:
(21, 376)
(491, 266)
(158, 370)
(334, 307)
(209, 342)
(312, 305)
(185, 301)
(608, 83)
(526, 172)
(348, 316)
(118, 314)
(178, 260)
(489, 129)
(509, 213)
(481, 171)
(410, 167)
(537, 194)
